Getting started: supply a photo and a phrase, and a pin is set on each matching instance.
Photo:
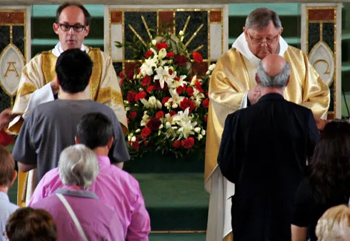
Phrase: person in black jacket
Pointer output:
(264, 151)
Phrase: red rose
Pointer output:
(169, 55)
(206, 103)
(199, 86)
(160, 114)
(172, 113)
(135, 145)
(180, 60)
(185, 103)
(131, 96)
(121, 74)
(177, 144)
(121, 82)
(130, 74)
(132, 114)
(146, 132)
(140, 95)
(161, 45)
(146, 81)
(148, 54)
(170, 71)
(165, 99)
(154, 124)
(188, 143)
(180, 89)
(190, 91)
(197, 57)
(150, 88)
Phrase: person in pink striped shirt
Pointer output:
(114, 187)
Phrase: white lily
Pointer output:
(164, 76)
(147, 67)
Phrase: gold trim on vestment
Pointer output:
(95, 56)
(26, 89)
(48, 65)
(108, 94)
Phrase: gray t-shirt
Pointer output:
(51, 127)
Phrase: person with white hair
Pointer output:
(77, 212)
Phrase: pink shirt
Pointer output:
(116, 188)
(99, 223)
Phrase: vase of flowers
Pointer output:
(165, 100)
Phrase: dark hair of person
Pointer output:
(28, 224)
(330, 164)
(7, 166)
(73, 69)
(87, 15)
(260, 19)
(94, 130)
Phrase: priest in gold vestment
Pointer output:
(37, 83)
(232, 86)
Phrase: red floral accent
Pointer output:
(148, 54)
(190, 91)
(197, 57)
(132, 114)
(172, 113)
(165, 99)
(154, 124)
(131, 96)
(180, 89)
(146, 81)
(146, 132)
(161, 45)
(135, 145)
(160, 114)
(188, 143)
(140, 95)
(177, 144)
(199, 86)
(185, 103)
(121, 82)
(121, 74)
(206, 103)
(150, 88)
(169, 55)
(180, 60)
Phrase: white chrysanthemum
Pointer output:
(164, 76)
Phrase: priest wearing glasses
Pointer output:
(232, 86)
(38, 85)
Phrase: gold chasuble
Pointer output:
(228, 86)
(103, 87)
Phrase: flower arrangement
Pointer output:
(166, 102)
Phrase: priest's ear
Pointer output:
(288, 80)
(257, 78)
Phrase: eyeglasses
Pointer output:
(76, 27)
(259, 41)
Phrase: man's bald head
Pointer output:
(273, 71)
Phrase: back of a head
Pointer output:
(28, 224)
(7, 167)
(95, 130)
(260, 19)
(78, 165)
(73, 69)
(330, 164)
(273, 71)
(334, 224)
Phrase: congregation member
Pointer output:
(38, 85)
(232, 86)
(77, 212)
(7, 177)
(28, 224)
(328, 184)
(114, 187)
(334, 225)
(52, 126)
(264, 151)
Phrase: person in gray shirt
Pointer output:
(51, 126)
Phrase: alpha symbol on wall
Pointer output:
(11, 68)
